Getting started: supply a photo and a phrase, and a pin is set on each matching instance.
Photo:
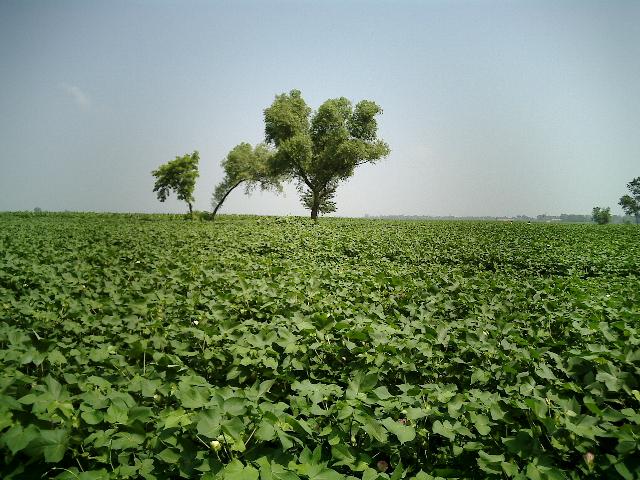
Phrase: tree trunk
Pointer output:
(215, 210)
(190, 210)
(315, 207)
(637, 218)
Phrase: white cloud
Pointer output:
(80, 98)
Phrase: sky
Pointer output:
(490, 107)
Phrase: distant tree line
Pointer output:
(543, 218)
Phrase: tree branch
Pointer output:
(215, 210)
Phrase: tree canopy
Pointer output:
(319, 149)
(248, 165)
(631, 203)
(601, 215)
(178, 175)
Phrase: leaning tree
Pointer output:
(631, 203)
(248, 165)
(320, 149)
(178, 175)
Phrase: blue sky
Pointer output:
(490, 108)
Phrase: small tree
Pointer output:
(248, 165)
(178, 175)
(601, 215)
(320, 149)
(631, 203)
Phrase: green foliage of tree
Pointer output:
(319, 149)
(601, 215)
(248, 165)
(631, 203)
(178, 175)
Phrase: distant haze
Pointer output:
(490, 108)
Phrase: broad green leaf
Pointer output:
(444, 428)
(17, 438)
(92, 417)
(55, 444)
(208, 423)
(116, 413)
(176, 418)
(168, 456)
(490, 463)
(234, 428)
(235, 470)
(481, 422)
(404, 433)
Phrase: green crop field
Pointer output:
(152, 347)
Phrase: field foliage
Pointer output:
(272, 348)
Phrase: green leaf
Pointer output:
(56, 357)
(234, 406)
(116, 413)
(101, 474)
(233, 427)
(382, 393)
(176, 418)
(490, 463)
(127, 440)
(510, 468)
(414, 414)
(55, 444)
(266, 431)
(481, 422)
(342, 455)
(522, 444)
(92, 417)
(362, 382)
(397, 472)
(168, 456)
(285, 440)
(612, 383)
(208, 423)
(274, 471)
(141, 414)
(455, 404)
(235, 470)
(372, 427)
(17, 438)
(444, 428)
(405, 433)
(149, 387)
(624, 472)
(192, 396)
(543, 371)
(479, 375)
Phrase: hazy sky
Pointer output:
(490, 107)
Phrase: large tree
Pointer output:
(178, 175)
(319, 149)
(248, 165)
(631, 203)
(601, 215)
